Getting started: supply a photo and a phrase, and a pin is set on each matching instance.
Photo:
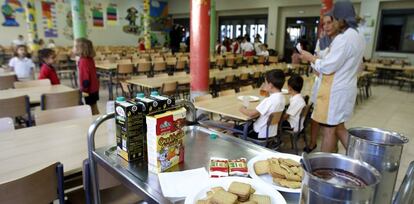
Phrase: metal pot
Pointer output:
(382, 149)
(317, 190)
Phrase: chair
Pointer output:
(126, 89)
(220, 62)
(261, 60)
(111, 190)
(303, 119)
(6, 82)
(43, 186)
(244, 79)
(239, 60)
(228, 82)
(144, 67)
(32, 83)
(16, 107)
(249, 60)
(229, 92)
(273, 59)
(246, 88)
(230, 62)
(123, 72)
(169, 89)
(60, 100)
(160, 67)
(6, 124)
(274, 119)
(180, 65)
(124, 61)
(62, 114)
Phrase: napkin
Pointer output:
(182, 183)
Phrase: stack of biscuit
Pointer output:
(238, 193)
(285, 172)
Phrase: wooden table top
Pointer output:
(230, 105)
(396, 67)
(6, 73)
(27, 150)
(156, 82)
(107, 67)
(34, 93)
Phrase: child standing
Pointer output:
(274, 81)
(89, 84)
(291, 119)
(21, 64)
(47, 71)
(141, 44)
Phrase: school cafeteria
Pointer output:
(207, 101)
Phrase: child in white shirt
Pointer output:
(274, 81)
(291, 119)
(21, 64)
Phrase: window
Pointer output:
(235, 26)
(396, 31)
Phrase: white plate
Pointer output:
(267, 178)
(260, 187)
(251, 98)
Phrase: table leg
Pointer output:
(111, 96)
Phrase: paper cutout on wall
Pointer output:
(160, 21)
(97, 16)
(112, 14)
(49, 19)
(132, 26)
(8, 9)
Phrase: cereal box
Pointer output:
(165, 139)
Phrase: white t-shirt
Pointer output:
(247, 47)
(296, 104)
(274, 103)
(257, 48)
(22, 67)
(264, 53)
(19, 42)
(222, 49)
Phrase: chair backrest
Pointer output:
(230, 61)
(239, 59)
(304, 116)
(125, 68)
(260, 59)
(159, 66)
(60, 100)
(229, 79)
(250, 60)
(6, 124)
(273, 59)
(62, 114)
(32, 83)
(169, 88)
(274, 119)
(6, 82)
(144, 67)
(126, 90)
(43, 186)
(229, 92)
(246, 88)
(16, 106)
(203, 98)
(244, 77)
(220, 62)
(180, 65)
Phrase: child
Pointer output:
(47, 71)
(274, 81)
(89, 84)
(220, 48)
(141, 44)
(264, 52)
(296, 104)
(21, 64)
(51, 44)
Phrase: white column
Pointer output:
(272, 24)
(370, 12)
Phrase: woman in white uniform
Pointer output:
(321, 50)
(338, 89)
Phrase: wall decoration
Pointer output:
(31, 25)
(49, 19)
(68, 30)
(112, 14)
(132, 26)
(97, 16)
(160, 21)
(8, 9)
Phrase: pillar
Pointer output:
(213, 26)
(199, 47)
(78, 19)
(370, 9)
(147, 26)
(272, 21)
(32, 25)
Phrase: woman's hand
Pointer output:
(307, 56)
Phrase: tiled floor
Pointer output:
(388, 108)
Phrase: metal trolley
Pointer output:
(199, 148)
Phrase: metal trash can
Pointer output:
(382, 149)
(318, 190)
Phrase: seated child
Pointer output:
(296, 104)
(47, 71)
(21, 64)
(273, 84)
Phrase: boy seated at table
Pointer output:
(291, 118)
(273, 84)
